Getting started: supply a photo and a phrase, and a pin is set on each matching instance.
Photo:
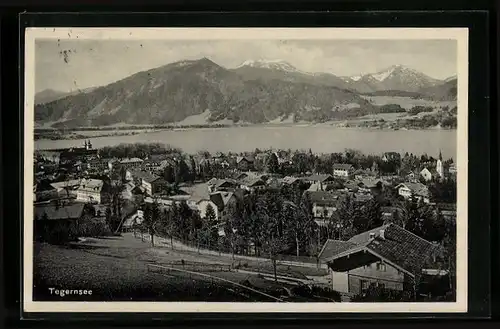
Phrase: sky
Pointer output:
(91, 63)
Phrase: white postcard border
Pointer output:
(458, 34)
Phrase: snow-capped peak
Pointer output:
(275, 64)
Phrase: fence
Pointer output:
(202, 249)
(214, 280)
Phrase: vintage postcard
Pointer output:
(245, 170)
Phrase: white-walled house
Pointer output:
(343, 170)
(414, 190)
(204, 204)
(375, 258)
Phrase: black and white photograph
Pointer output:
(245, 170)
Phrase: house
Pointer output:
(324, 203)
(388, 257)
(429, 175)
(93, 191)
(360, 174)
(388, 213)
(252, 183)
(49, 217)
(371, 185)
(391, 157)
(131, 162)
(361, 197)
(452, 169)
(244, 163)
(447, 210)
(136, 218)
(152, 164)
(417, 191)
(283, 157)
(343, 170)
(98, 165)
(319, 182)
(204, 204)
(151, 183)
(67, 187)
(223, 201)
(411, 177)
(215, 184)
(290, 180)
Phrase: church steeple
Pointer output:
(439, 165)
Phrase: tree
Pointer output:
(210, 214)
(168, 174)
(152, 217)
(299, 219)
(193, 173)
(272, 164)
(184, 219)
(343, 219)
(108, 216)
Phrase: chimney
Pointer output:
(382, 234)
(372, 235)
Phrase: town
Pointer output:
(379, 227)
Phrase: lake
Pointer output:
(318, 138)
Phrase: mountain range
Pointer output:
(50, 95)
(254, 92)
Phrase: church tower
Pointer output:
(439, 165)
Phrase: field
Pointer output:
(116, 268)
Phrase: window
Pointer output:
(364, 284)
(381, 285)
(381, 267)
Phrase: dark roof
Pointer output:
(240, 175)
(399, 247)
(322, 197)
(246, 158)
(146, 176)
(334, 247)
(221, 199)
(252, 181)
(416, 188)
(343, 166)
(71, 211)
(320, 177)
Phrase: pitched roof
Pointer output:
(343, 166)
(246, 158)
(398, 247)
(322, 197)
(252, 181)
(416, 188)
(130, 160)
(71, 211)
(221, 199)
(370, 182)
(334, 247)
(145, 175)
(290, 180)
(320, 177)
(91, 185)
(67, 183)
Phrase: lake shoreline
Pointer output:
(320, 138)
